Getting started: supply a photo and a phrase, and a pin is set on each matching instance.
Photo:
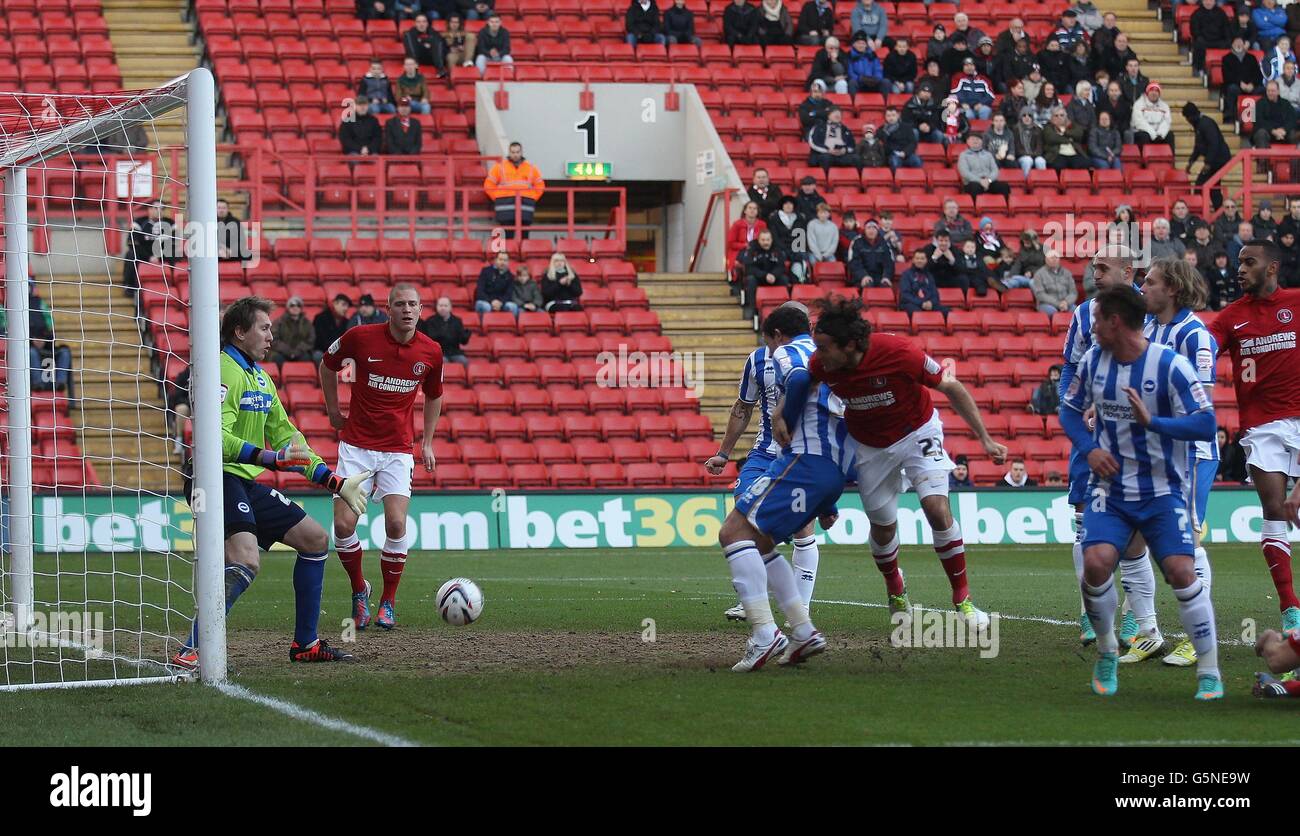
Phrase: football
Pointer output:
(460, 601)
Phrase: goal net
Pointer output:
(110, 294)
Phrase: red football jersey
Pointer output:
(1260, 334)
(383, 396)
(885, 397)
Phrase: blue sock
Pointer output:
(308, 578)
(238, 579)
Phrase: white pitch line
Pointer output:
(306, 715)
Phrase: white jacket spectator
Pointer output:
(1152, 117)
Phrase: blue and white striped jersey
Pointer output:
(1188, 336)
(758, 385)
(1151, 464)
(821, 430)
(1078, 338)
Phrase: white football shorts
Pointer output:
(392, 471)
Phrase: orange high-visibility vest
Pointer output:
(507, 179)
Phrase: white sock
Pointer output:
(805, 558)
(781, 580)
(1197, 613)
(347, 543)
(1139, 581)
(750, 580)
(1100, 602)
(1202, 566)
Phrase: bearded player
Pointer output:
(257, 435)
(882, 380)
(1172, 291)
(1111, 267)
(392, 360)
(1259, 331)
(760, 385)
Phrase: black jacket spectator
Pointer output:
(1120, 110)
(805, 203)
(943, 267)
(230, 238)
(645, 23)
(1010, 66)
(782, 235)
(760, 262)
(427, 48)
(900, 68)
(450, 333)
(899, 138)
(362, 132)
(1209, 145)
(1224, 286)
(813, 110)
(494, 285)
(827, 69)
(1272, 115)
(768, 200)
(560, 296)
(487, 42)
(813, 21)
(917, 112)
(328, 328)
(1053, 63)
(1133, 87)
(679, 25)
(740, 24)
(402, 138)
(873, 259)
(1211, 29)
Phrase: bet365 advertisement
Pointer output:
(505, 520)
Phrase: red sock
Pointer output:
(392, 564)
(887, 563)
(952, 557)
(351, 560)
(1277, 554)
(1292, 687)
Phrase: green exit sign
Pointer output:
(589, 171)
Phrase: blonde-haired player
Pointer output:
(393, 360)
(1173, 291)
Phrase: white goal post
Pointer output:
(100, 572)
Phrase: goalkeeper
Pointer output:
(257, 434)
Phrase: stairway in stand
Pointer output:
(699, 314)
(1163, 62)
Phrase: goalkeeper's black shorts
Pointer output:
(258, 509)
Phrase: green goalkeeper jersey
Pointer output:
(251, 415)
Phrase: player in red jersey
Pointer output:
(884, 381)
(392, 360)
(1259, 331)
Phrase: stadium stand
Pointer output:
(283, 68)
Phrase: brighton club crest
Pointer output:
(1284, 316)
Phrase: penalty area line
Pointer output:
(315, 718)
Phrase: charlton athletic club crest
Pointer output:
(878, 382)
(419, 369)
(1284, 316)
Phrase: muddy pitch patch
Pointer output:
(484, 651)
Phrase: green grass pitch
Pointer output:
(560, 657)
